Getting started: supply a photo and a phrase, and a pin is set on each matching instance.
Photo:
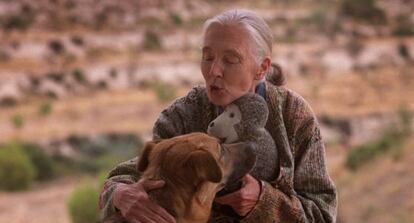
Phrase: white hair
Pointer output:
(255, 26)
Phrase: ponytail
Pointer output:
(275, 75)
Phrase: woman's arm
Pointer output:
(179, 118)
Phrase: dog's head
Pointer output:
(196, 158)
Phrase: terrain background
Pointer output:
(84, 81)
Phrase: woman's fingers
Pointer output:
(135, 205)
(229, 198)
(161, 212)
(152, 184)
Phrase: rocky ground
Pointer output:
(43, 203)
(76, 67)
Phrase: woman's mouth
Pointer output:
(215, 89)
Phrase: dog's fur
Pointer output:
(194, 166)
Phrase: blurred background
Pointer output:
(82, 82)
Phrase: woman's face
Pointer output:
(228, 66)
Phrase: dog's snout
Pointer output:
(223, 140)
(211, 124)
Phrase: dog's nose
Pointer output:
(211, 124)
(223, 140)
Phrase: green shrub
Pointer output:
(403, 27)
(151, 41)
(363, 10)
(78, 75)
(18, 121)
(43, 163)
(164, 92)
(176, 19)
(100, 153)
(83, 204)
(391, 140)
(45, 109)
(77, 40)
(16, 170)
(56, 46)
(18, 22)
(405, 117)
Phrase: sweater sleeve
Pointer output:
(179, 118)
(185, 115)
(313, 198)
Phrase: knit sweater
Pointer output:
(303, 190)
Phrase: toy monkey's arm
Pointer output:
(304, 192)
(315, 198)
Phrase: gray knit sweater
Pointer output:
(303, 190)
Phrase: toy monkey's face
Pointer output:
(223, 127)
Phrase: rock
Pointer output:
(171, 73)
(377, 54)
(331, 135)
(51, 89)
(10, 93)
(119, 79)
(30, 50)
(368, 128)
(97, 75)
(337, 61)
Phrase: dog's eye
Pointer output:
(232, 115)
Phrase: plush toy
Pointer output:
(244, 120)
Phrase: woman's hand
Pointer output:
(135, 206)
(243, 200)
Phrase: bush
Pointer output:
(100, 153)
(152, 41)
(391, 140)
(77, 40)
(44, 165)
(403, 27)
(45, 109)
(78, 75)
(18, 121)
(363, 10)
(82, 204)
(176, 19)
(164, 92)
(16, 170)
(56, 46)
(18, 22)
(405, 117)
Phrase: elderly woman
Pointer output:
(236, 58)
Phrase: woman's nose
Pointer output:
(216, 70)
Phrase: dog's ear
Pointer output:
(143, 159)
(204, 165)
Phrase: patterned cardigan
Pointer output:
(303, 191)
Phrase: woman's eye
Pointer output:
(232, 60)
(232, 115)
(207, 57)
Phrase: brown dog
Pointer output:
(195, 167)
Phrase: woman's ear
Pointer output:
(143, 159)
(264, 68)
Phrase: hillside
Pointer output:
(82, 77)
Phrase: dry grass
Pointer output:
(44, 203)
(378, 91)
(380, 192)
(112, 111)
